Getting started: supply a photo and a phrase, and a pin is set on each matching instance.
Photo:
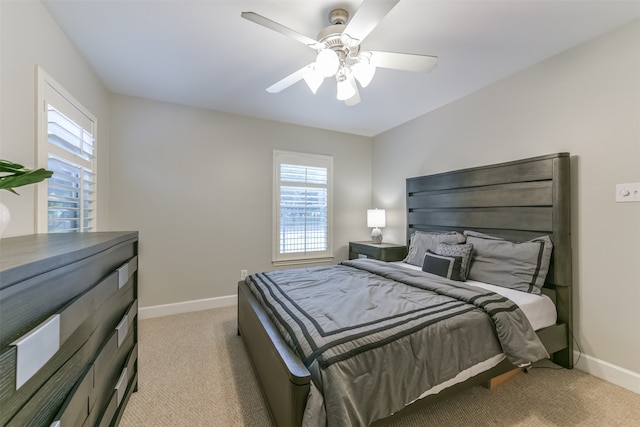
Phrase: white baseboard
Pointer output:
(186, 306)
(608, 372)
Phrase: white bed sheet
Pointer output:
(539, 309)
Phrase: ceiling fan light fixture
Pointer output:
(364, 71)
(346, 87)
(354, 100)
(338, 51)
(313, 79)
(327, 62)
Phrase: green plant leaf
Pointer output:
(7, 166)
(15, 175)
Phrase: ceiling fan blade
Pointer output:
(367, 17)
(290, 79)
(403, 61)
(272, 25)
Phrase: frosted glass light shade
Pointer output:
(364, 72)
(376, 218)
(346, 88)
(354, 100)
(327, 62)
(313, 79)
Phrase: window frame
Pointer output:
(310, 160)
(45, 84)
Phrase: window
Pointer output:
(66, 146)
(302, 207)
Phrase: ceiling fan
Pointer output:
(339, 53)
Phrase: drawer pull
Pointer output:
(123, 329)
(121, 386)
(123, 275)
(36, 348)
(126, 270)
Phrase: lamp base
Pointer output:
(376, 236)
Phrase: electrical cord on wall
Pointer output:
(557, 368)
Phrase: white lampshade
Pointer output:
(313, 79)
(354, 100)
(346, 87)
(364, 71)
(376, 218)
(327, 62)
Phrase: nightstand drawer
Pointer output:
(380, 251)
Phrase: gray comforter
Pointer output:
(375, 335)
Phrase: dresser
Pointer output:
(68, 328)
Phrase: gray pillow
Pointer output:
(441, 265)
(521, 266)
(463, 251)
(422, 241)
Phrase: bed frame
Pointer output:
(517, 200)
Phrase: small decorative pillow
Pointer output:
(521, 266)
(422, 241)
(463, 251)
(444, 266)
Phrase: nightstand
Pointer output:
(381, 251)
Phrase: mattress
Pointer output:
(539, 309)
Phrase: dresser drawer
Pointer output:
(116, 347)
(42, 406)
(121, 388)
(62, 298)
(24, 307)
(75, 408)
(108, 370)
(91, 334)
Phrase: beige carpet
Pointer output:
(194, 371)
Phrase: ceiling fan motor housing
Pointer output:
(332, 37)
(338, 17)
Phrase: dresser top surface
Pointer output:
(23, 256)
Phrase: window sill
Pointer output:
(302, 261)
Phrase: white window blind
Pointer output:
(67, 147)
(302, 201)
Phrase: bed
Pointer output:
(518, 201)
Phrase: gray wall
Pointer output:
(29, 36)
(197, 184)
(585, 101)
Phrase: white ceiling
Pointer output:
(203, 54)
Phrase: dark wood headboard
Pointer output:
(516, 200)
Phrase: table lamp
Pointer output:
(375, 220)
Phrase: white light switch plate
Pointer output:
(628, 192)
